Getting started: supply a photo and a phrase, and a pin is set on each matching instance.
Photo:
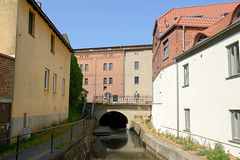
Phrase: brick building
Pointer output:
(103, 70)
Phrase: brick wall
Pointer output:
(6, 76)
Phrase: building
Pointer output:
(6, 92)
(104, 70)
(42, 66)
(190, 95)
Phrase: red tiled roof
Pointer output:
(214, 11)
(6, 56)
(196, 21)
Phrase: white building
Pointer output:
(200, 94)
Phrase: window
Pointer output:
(186, 75)
(105, 66)
(110, 66)
(86, 67)
(235, 115)
(54, 82)
(52, 48)
(110, 81)
(86, 81)
(31, 23)
(81, 67)
(165, 49)
(233, 59)
(104, 81)
(63, 86)
(46, 79)
(187, 119)
(136, 80)
(136, 65)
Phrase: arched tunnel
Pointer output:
(114, 120)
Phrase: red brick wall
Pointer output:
(6, 76)
(175, 48)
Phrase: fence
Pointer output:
(123, 100)
(51, 138)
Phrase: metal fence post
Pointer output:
(17, 147)
(83, 125)
(52, 141)
(71, 130)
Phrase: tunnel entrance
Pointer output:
(114, 120)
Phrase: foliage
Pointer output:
(218, 153)
(76, 80)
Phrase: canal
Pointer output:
(121, 145)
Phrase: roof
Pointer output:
(216, 30)
(6, 56)
(208, 13)
(37, 8)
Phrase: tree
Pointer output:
(76, 80)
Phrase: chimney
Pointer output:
(39, 4)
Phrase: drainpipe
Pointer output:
(124, 52)
(183, 38)
(177, 85)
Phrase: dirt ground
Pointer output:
(151, 130)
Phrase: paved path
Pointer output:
(43, 151)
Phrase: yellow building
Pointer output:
(42, 65)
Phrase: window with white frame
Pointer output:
(187, 119)
(81, 67)
(105, 66)
(165, 55)
(233, 59)
(54, 82)
(110, 81)
(63, 86)
(46, 79)
(136, 65)
(86, 67)
(86, 81)
(186, 75)
(104, 81)
(235, 116)
(110, 66)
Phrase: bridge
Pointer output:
(120, 115)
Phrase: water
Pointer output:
(121, 145)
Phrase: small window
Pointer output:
(110, 81)
(233, 59)
(81, 67)
(235, 116)
(136, 80)
(186, 75)
(46, 79)
(104, 81)
(165, 49)
(110, 66)
(63, 86)
(54, 82)
(105, 66)
(187, 119)
(31, 23)
(136, 65)
(86, 67)
(52, 48)
(86, 81)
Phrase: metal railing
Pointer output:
(123, 99)
(76, 129)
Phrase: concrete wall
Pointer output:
(210, 96)
(8, 19)
(33, 56)
(144, 88)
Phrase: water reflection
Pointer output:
(121, 145)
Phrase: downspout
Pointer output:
(124, 54)
(183, 38)
(177, 85)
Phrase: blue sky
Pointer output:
(103, 23)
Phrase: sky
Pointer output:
(105, 23)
